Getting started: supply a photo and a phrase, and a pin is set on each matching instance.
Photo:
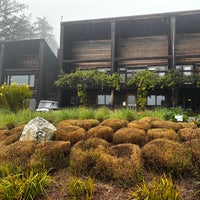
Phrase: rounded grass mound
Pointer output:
(70, 133)
(165, 133)
(187, 134)
(139, 124)
(84, 155)
(103, 132)
(115, 124)
(167, 156)
(85, 123)
(187, 125)
(149, 119)
(53, 154)
(130, 135)
(165, 124)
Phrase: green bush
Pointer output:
(14, 97)
(162, 188)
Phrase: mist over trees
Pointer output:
(16, 25)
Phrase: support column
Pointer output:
(2, 47)
(113, 56)
(172, 42)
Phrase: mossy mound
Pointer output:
(130, 135)
(103, 132)
(165, 124)
(139, 124)
(187, 134)
(115, 124)
(149, 119)
(187, 125)
(165, 133)
(167, 156)
(53, 154)
(85, 123)
(70, 133)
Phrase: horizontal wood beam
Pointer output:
(89, 60)
(142, 58)
(188, 56)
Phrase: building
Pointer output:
(31, 62)
(129, 44)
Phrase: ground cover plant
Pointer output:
(116, 153)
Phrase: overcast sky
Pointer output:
(68, 10)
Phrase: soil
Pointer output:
(106, 191)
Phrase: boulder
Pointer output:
(39, 130)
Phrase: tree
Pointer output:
(144, 81)
(43, 29)
(14, 25)
(82, 81)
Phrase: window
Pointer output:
(186, 69)
(160, 70)
(21, 79)
(131, 101)
(155, 100)
(103, 99)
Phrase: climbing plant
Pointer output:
(144, 81)
(84, 80)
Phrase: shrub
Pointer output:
(159, 188)
(130, 135)
(102, 113)
(115, 124)
(162, 133)
(103, 132)
(168, 156)
(70, 133)
(86, 124)
(52, 154)
(139, 124)
(149, 119)
(81, 189)
(165, 124)
(14, 97)
(187, 134)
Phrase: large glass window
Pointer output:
(103, 99)
(21, 79)
(155, 100)
(186, 69)
(131, 101)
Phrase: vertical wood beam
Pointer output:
(2, 50)
(172, 42)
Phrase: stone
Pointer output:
(39, 130)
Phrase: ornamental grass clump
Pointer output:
(103, 132)
(163, 155)
(115, 124)
(187, 134)
(85, 124)
(84, 155)
(165, 133)
(130, 135)
(165, 124)
(140, 125)
(53, 154)
(102, 113)
(70, 133)
(162, 188)
(124, 113)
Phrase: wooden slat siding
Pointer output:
(94, 49)
(188, 44)
(95, 64)
(151, 46)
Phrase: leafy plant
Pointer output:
(84, 80)
(81, 189)
(14, 97)
(162, 188)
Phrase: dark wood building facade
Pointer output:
(129, 44)
(31, 62)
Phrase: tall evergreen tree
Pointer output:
(14, 24)
(44, 30)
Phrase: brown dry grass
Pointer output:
(53, 154)
(103, 132)
(187, 125)
(70, 133)
(85, 124)
(187, 134)
(167, 156)
(115, 124)
(130, 135)
(149, 119)
(140, 125)
(162, 133)
(165, 124)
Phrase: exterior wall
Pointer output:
(129, 44)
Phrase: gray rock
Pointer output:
(39, 130)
